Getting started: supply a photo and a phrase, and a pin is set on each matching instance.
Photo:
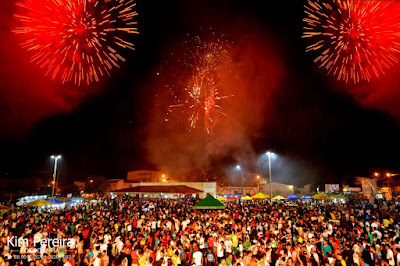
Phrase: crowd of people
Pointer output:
(126, 231)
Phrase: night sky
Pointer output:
(324, 129)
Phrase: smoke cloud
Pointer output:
(173, 148)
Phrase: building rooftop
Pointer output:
(159, 189)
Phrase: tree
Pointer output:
(45, 190)
(97, 185)
(205, 174)
(70, 188)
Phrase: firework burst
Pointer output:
(76, 40)
(204, 66)
(356, 40)
(202, 102)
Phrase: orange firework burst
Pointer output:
(357, 39)
(77, 40)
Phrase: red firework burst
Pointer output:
(357, 39)
(202, 101)
(77, 40)
(197, 91)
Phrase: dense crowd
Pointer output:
(143, 232)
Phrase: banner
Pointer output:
(329, 188)
(369, 186)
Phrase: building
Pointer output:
(136, 177)
(237, 190)
(304, 190)
(277, 189)
(165, 189)
(116, 184)
(148, 176)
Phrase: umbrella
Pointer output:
(259, 195)
(320, 196)
(55, 201)
(220, 198)
(278, 197)
(38, 203)
(306, 197)
(233, 198)
(246, 198)
(292, 197)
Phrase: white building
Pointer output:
(168, 189)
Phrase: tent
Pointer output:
(55, 201)
(259, 196)
(220, 198)
(246, 198)
(74, 200)
(278, 197)
(209, 203)
(233, 198)
(320, 196)
(292, 197)
(306, 197)
(337, 196)
(38, 203)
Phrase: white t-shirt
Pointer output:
(197, 256)
(220, 251)
(107, 239)
(201, 242)
(96, 261)
(356, 257)
(390, 257)
(398, 259)
(228, 246)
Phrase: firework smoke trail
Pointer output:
(76, 40)
(357, 40)
(201, 83)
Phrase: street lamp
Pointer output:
(56, 158)
(258, 179)
(241, 175)
(269, 154)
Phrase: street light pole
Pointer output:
(241, 176)
(270, 175)
(55, 171)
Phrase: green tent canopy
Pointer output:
(209, 203)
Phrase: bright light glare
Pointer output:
(268, 153)
(238, 167)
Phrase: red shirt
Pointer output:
(210, 242)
